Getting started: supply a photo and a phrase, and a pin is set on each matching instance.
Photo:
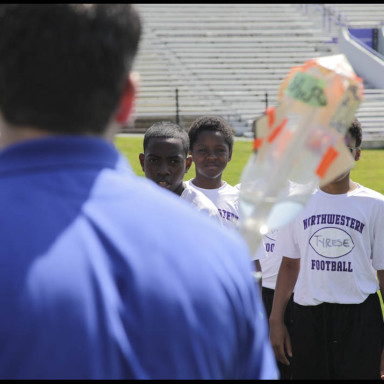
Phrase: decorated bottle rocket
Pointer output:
(298, 145)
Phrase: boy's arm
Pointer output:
(380, 277)
(286, 280)
(258, 272)
(260, 253)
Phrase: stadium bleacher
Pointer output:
(371, 111)
(226, 59)
(359, 14)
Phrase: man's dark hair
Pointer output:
(63, 66)
(166, 130)
(356, 131)
(211, 123)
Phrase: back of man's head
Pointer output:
(166, 130)
(63, 66)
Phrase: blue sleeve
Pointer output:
(259, 361)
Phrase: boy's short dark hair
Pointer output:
(63, 66)
(211, 123)
(356, 131)
(167, 130)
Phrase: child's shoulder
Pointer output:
(363, 191)
(229, 189)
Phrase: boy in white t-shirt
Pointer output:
(270, 264)
(211, 144)
(332, 256)
(165, 161)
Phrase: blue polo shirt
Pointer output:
(105, 275)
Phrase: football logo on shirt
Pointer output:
(331, 242)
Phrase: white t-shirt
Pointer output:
(261, 251)
(201, 202)
(226, 199)
(269, 260)
(339, 240)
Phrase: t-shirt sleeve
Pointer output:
(286, 245)
(378, 239)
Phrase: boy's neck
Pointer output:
(180, 189)
(207, 183)
(340, 187)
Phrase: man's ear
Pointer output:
(357, 155)
(127, 100)
(188, 163)
(141, 158)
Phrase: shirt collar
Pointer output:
(56, 151)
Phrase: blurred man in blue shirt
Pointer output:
(103, 275)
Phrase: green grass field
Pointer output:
(368, 171)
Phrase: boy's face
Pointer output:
(210, 154)
(350, 142)
(165, 163)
